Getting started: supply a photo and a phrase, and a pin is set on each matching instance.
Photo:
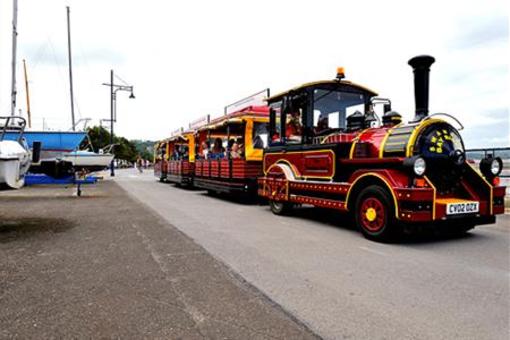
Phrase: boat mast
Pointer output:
(14, 44)
(70, 67)
(29, 115)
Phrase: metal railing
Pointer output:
(12, 124)
(504, 153)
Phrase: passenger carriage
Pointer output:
(181, 157)
(222, 170)
(161, 160)
(329, 149)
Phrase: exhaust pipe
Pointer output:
(421, 69)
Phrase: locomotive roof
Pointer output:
(342, 84)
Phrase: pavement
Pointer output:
(105, 266)
(318, 268)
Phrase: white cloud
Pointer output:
(187, 59)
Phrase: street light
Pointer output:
(113, 108)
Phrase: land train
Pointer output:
(324, 145)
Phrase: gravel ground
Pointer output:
(104, 266)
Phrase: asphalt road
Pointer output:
(339, 284)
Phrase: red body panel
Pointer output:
(225, 169)
(372, 139)
(307, 164)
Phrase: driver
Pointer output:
(294, 127)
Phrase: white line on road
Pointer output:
(370, 250)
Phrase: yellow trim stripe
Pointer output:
(488, 184)
(385, 139)
(291, 166)
(354, 142)
(395, 203)
(414, 135)
(433, 198)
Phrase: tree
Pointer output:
(145, 148)
(100, 138)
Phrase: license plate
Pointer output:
(462, 208)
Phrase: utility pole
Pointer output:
(70, 66)
(14, 45)
(29, 115)
(112, 98)
(113, 108)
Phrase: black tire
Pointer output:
(374, 214)
(280, 207)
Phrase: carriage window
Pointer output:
(331, 108)
(277, 108)
(260, 135)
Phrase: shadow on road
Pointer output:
(332, 218)
(16, 228)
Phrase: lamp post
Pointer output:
(113, 109)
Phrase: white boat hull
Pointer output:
(88, 160)
(14, 163)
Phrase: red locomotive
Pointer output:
(328, 148)
(326, 151)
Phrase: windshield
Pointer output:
(260, 135)
(331, 107)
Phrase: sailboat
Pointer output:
(14, 153)
(89, 160)
(15, 156)
(59, 153)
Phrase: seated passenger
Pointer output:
(229, 147)
(218, 150)
(322, 125)
(236, 151)
(175, 153)
(205, 149)
(185, 153)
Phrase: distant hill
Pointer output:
(504, 154)
(144, 147)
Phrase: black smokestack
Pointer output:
(421, 68)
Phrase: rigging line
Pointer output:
(122, 80)
(41, 51)
(59, 66)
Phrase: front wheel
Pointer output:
(280, 208)
(375, 216)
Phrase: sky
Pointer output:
(187, 59)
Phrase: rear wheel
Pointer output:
(374, 214)
(279, 207)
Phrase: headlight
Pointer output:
(491, 167)
(496, 166)
(419, 166)
(416, 165)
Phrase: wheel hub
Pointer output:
(371, 214)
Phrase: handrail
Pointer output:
(447, 115)
(20, 128)
(493, 152)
